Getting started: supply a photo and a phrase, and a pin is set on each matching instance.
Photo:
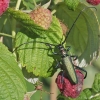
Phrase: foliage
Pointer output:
(12, 83)
(36, 57)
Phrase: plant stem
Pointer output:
(14, 22)
(34, 3)
(13, 29)
(53, 87)
(54, 11)
(18, 4)
(3, 24)
(3, 34)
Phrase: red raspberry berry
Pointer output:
(3, 6)
(93, 2)
(67, 88)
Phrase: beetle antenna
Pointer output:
(33, 42)
(75, 22)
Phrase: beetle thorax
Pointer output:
(62, 50)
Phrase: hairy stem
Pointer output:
(14, 22)
(3, 34)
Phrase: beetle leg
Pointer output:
(77, 67)
(62, 77)
(68, 48)
(58, 64)
(51, 49)
(75, 57)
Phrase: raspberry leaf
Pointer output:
(83, 37)
(72, 4)
(12, 83)
(28, 4)
(36, 56)
(96, 86)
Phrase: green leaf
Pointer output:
(5, 23)
(12, 84)
(83, 37)
(96, 84)
(36, 56)
(85, 94)
(72, 4)
(28, 4)
(96, 98)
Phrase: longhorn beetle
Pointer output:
(65, 63)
